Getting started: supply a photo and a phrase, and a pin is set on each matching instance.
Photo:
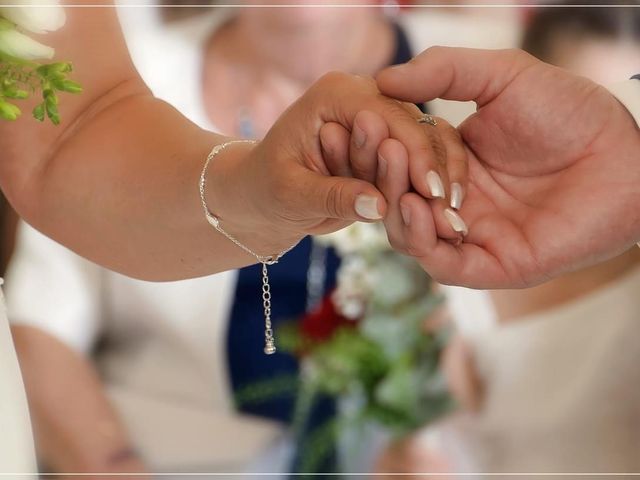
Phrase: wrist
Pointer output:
(236, 194)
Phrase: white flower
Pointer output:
(355, 283)
(37, 16)
(21, 46)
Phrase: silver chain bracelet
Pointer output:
(214, 221)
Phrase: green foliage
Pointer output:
(267, 389)
(19, 79)
(385, 366)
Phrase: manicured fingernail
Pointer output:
(382, 166)
(456, 221)
(367, 207)
(359, 137)
(457, 195)
(405, 211)
(435, 184)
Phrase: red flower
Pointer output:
(320, 324)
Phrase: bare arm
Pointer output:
(122, 167)
(76, 428)
(117, 181)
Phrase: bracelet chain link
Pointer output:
(214, 221)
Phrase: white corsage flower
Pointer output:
(37, 16)
(19, 45)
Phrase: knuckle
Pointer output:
(360, 172)
(434, 50)
(414, 247)
(439, 150)
(336, 78)
(334, 200)
(518, 56)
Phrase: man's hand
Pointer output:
(554, 169)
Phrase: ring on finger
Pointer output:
(428, 119)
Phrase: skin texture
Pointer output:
(605, 61)
(117, 182)
(553, 162)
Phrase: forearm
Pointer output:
(117, 181)
(75, 426)
(122, 190)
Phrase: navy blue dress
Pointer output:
(247, 363)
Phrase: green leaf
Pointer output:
(9, 111)
(60, 68)
(11, 91)
(52, 113)
(69, 86)
(50, 97)
(38, 112)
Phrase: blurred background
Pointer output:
(379, 369)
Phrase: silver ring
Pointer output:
(428, 119)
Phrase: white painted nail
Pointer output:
(367, 207)
(435, 184)
(457, 195)
(456, 221)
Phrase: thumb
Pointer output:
(338, 198)
(461, 74)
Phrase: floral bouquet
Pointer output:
(21, 70)
(369, 346)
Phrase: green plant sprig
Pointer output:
(19, 79)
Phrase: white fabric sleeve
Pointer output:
(628, 93)
(49, 287)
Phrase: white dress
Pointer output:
(16, 443)
(561, 390)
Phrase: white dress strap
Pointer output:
(17, 457)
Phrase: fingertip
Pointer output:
(420, 231)
(458, 193)
(369, 127)
(334, 141)
(370, 206)
(390, 80)
(390, 148)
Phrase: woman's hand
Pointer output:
(553, 170)
(304, 179)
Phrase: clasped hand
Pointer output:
(542, 179)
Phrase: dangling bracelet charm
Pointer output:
(214, 221)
